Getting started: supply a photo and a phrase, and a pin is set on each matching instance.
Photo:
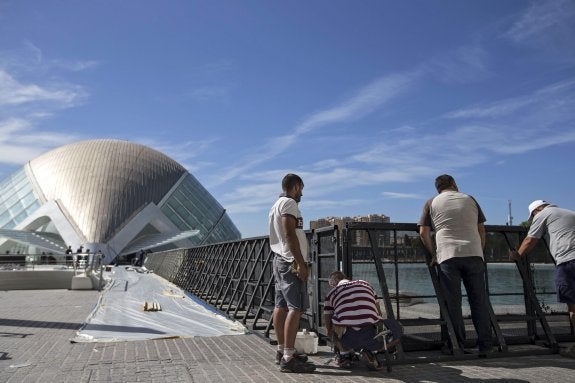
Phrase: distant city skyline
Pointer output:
(361, 238)
(331, 220)
(367, 101)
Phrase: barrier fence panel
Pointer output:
(234, 277)
(260, 282)
(166, 264)
(244, 286)
(228, 275)
(416, 298)
(325, 259)
(237, 278)
(216, 258)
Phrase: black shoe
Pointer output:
(485, 352)
(297, 366)
(568, 352)
(446, 350)
(300, 356)
(344, 361)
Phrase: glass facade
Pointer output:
(17, 200)
(94, 191)
(191, 207)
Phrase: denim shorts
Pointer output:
(291, 292)
(565, 282)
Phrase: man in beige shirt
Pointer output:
(458, 221)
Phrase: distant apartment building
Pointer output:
(361, 237)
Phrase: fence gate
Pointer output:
(326, 258)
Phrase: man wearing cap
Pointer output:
(557, 226)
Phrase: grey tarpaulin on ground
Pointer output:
(119, 314)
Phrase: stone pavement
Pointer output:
(36, 327)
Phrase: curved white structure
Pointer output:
(112, 196)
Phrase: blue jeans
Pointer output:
(364, 338)
(565, 282)
(470, 270)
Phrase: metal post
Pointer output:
(101, 272)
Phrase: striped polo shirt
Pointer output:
(352, 303)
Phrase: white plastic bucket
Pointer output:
(306, 342)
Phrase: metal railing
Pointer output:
(394, 253)
(31, 261)
(236, 278)
(89, 264)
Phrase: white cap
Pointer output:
(534, 205)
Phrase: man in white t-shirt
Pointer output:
(289, 243)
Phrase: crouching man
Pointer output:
(352, 318)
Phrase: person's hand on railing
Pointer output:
(514, 255)
(431, 259)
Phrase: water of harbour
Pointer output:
(504, 280)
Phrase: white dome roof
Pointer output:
(101, 184)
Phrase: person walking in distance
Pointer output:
(458, 222)
(289, 244)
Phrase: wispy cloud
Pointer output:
(256, 195)
(26, 104)
(75, 65)
(320, 192)
(541, 19)
(536, 141)
(20, 142)
(210, 93)
(13, 92)
(210, 81)
(471, 136)
(329, 163)
(501, 108)
(324, 189)
(29, 58)
(365, 101)
(493, 110)
(185, 153)
(213, 69)
(394, 195)
(460, 139)
(465, 64)
(540, 119)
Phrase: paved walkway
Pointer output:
(36, 327)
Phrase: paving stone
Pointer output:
(36, 328)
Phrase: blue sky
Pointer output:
(367, 100)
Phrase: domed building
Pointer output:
(112, 196)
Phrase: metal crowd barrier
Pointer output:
(392, 250)
(236, 278)
(167, 263)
